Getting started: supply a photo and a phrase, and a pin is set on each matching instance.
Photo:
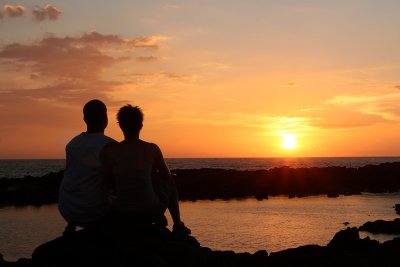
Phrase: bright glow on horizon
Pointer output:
(289, 141)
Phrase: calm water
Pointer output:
(246, 225)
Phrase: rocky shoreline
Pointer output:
(164, 249)
(197, 184)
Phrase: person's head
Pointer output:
(95, 115)
(130, 120)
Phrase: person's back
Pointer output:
(133, 163)
(85, 195)
(144, 186)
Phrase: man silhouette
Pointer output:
(85, 193)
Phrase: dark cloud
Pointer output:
(60, 59)
(48, 12)
(73, 67)
(69, 92)
(14, 11)
(81, 58)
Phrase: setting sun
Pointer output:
(289, 141)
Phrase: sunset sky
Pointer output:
(220, 78)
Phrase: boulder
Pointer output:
(138, 245)
(345, 238)
(382, 227)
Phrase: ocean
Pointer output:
(239, 225)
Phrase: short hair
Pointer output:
(95, 112)
(130, 119)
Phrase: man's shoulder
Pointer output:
(76, 138)
(109, 139)
(84, 139)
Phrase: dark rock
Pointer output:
(397, 208)
(389, 252)
(259, 258)
(261, 196)
(392, 246)
(382, 227)
(310, 255)
(225, 258)
(158, 247)
(30, 190)
(345, 238)
(208, 183)
(333, 195)
(138, 245)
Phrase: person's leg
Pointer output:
(168, 195)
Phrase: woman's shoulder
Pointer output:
(150, 145)
(154, 148)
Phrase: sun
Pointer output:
(289, 141)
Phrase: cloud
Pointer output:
(68, 69)
(351, 111)
(290, 85)
(161, 75)
(352, 100)
(175, 76)
(148, 59)
(148, 42)
(312, 109)
(100, 40)
(14, 11)
(84, 57)
(384, 106)
(60, 58)
(48, 12)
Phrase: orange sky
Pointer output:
(222, 78)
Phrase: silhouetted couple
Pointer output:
(105, 180)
